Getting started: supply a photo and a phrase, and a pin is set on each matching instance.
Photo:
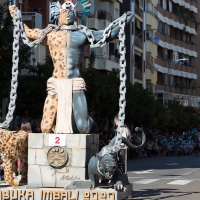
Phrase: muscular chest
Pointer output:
(66, 39)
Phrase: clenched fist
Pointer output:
(12, 9)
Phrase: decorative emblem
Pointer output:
(57, 156)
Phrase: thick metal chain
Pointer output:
(120, 22)
(19, 30)
(14, 83)
(122, 88)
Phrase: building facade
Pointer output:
(170, 64)
(177, 53)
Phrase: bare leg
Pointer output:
(24, 160)
(49, 113)
(79, 106)
(8, 173)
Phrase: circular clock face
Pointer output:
(57, 157)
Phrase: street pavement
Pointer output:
(165, 178)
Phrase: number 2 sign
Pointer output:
(57, 140)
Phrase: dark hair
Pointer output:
(26, 126)
(116, 116)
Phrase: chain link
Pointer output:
(14, 83)
(19, 30)
(122, 87)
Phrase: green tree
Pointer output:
(140, 107)
(102, 91)
(160, 116)
(32, 90)
(181, 118)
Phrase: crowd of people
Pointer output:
(159, 144)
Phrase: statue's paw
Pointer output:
(13, 183)
(119, 186)
(92, 185)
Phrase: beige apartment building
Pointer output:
(177, 61)
(142, 51)
(171, 66)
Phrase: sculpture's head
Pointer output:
(67, 13)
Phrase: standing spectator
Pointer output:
(1, 171)
(126, 133)
(149, 148)
(26, 126)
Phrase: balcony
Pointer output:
(175, 90)
(32, 19)
(188, 4)
(138, 73)
(177, 43)
(175, 66)
(101, 20)
(104, 64)
(138, 43)
(174, 20)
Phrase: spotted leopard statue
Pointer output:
(107, 165)
(12, 147)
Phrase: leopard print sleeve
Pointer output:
(32, 33)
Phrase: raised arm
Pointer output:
(98, 35)
(30, 33)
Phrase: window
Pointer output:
(164, 5)
(175, 54)
(167, 30)
(163, 28)
(166, 54)
(149, 7)
(159, 51)
(148, 34)
(160, 26)
(170, 6)
(20, 7)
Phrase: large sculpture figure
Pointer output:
(66, 88)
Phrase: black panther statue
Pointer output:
(107, 164)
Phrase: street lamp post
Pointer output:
(132, 78)
(144, 46)
(169, 65)
(190, 104)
